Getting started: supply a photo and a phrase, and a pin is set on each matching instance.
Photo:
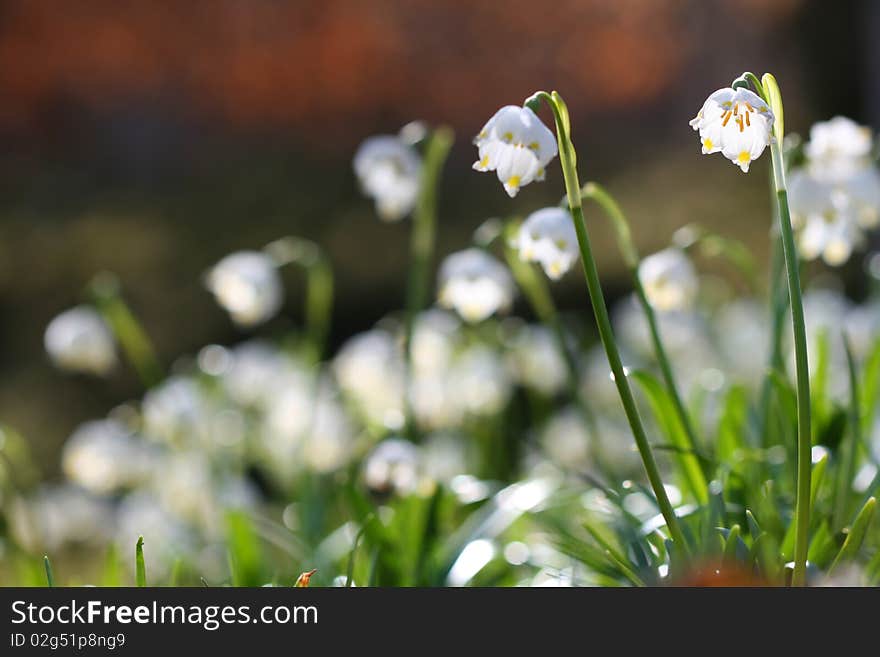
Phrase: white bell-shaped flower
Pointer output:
(247, 284)
(389, 172)
(838, 148)
(80, 341)
(549, 238)
(735, 122)
(835, 196)
(669, 279)
(475, 284)
(517, 146)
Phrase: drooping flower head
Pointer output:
(735, 122)
(388, 170)
(517, 146)
(669, 279)
(835, 196)
(78, 340)
(475, 284)
(248, 286)
(548, 237)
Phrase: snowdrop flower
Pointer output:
(548, 237)
(480, 382)
(248, 286)
(565, 438)
(669, 279)
(735, 122)
(389, 171)
(517, 146)
(104, 457)
(370, 371)
(536, 361)
(393, 467)
(176, 412)
(836, 196)
(60, 515)
(475, 284)
(838, 148)
(78, 340)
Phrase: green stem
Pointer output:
(319, 287)
(105, 289)
(628, 250)
(849, 445)
(804, 440)
(422, 244)
(568, 159)
(778, 305)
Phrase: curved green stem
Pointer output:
(568, 159)
(319, 287)
(106, 290)
(422, 243)
(628, 250)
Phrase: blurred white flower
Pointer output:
(254, 372)
(79, 340)
(565, 438)
(669, 279)
(104, 457)
(535, 360)
(475, 284)
(393, 468)
(549, 238)
(389, 171)
(434, 340)
(247, 284)
(479, 381)
(60, 515)
(735, 122)
(838, 148)
(370, 371)
(835, 197)
(517, 146)
(176, 412)
(444, 456)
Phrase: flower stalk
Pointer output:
(597, 193)
(422, 241)
(770, 91)
(105, 289)
(319, 287)
(568, 161)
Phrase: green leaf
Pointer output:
(140, 567)
(50, 578)
(245, 558)
(870, 387)
(688, 465)
(112, 572)
(732, 426)
(819, 468)
(856, 535)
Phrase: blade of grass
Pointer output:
(50, 577)
(140, 567)
(856, 535)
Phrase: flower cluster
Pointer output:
(835, 196)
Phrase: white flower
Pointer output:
(565, 438)
(393, 467)
(669, 279)
(735, 122)
(517, 146)
(370, 371)
(838, 148)
(475, 284)
(536, 361)
(80, 341)
(389, 171)
(835, 197)
(548, 237)
(248, 286)
(104, 457)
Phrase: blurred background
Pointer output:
(150, 138)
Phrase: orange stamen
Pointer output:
(748, 123)
(727, 116)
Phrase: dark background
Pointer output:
(152, 137)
